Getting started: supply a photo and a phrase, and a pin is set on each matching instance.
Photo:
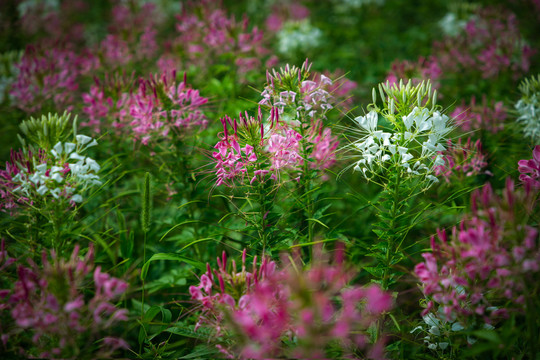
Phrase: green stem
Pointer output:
(263, 234)
(305, 188)
(391, 234)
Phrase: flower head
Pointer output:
(530, 169)
(409, 140)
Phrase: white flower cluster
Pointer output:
(355, 4)
(412, 145)
(298, 36)
(452, 25)
(529, 116)
(68, 174)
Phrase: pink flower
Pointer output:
(49, 303)
(490, 44)
(485, 260)
(462, 160)
(530, 169)
(286, 302)
(483, 116)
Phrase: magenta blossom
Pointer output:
(459, 160)
(50, 304)
(530, 169)
(290, 312)
(480, 116)
(490, 44)
(423, 69)
(481, 272)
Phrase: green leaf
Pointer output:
(174, 257)
(318, 222)
(177, 226)
(489, 335)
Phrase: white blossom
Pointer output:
(413, 144)
(67, 173)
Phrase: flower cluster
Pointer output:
(482, 270)
(289, 311)
(46, 76)
(266, 150)
(423, 69)
(295, 90)
(156, 109)
(132, 37)
(256, 151)
(412, 144)
(459, 159)
(283, 11)
(530, 169)
(480, 116)
(528, 108)
(18, 159)
(63, 173)
(340, 88)
(49, 302)
(490, 44)
(455, 21)
(298, 37)
(206, 32)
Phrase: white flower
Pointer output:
(69, 147)
(412, 146)
(57, 150)
(368, 122)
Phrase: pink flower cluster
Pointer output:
(461, 159)
(256, 151)
(490, 44)
(281, 12)
(324, 146)
(51, 21)
(423, 69)
(7, 175)
(290, 312)
(264, 151)
(206, 32)
(46, 77)
(480, 116)
(155, 109)
(530, 169)
(131, 37)
(483, 269)
(49, 303)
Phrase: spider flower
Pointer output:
(289, 311)
(480, 272)
(459, 159)
(528, 108)
(530, 169)
(49, 303)
(408, 142)
(63, 173)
